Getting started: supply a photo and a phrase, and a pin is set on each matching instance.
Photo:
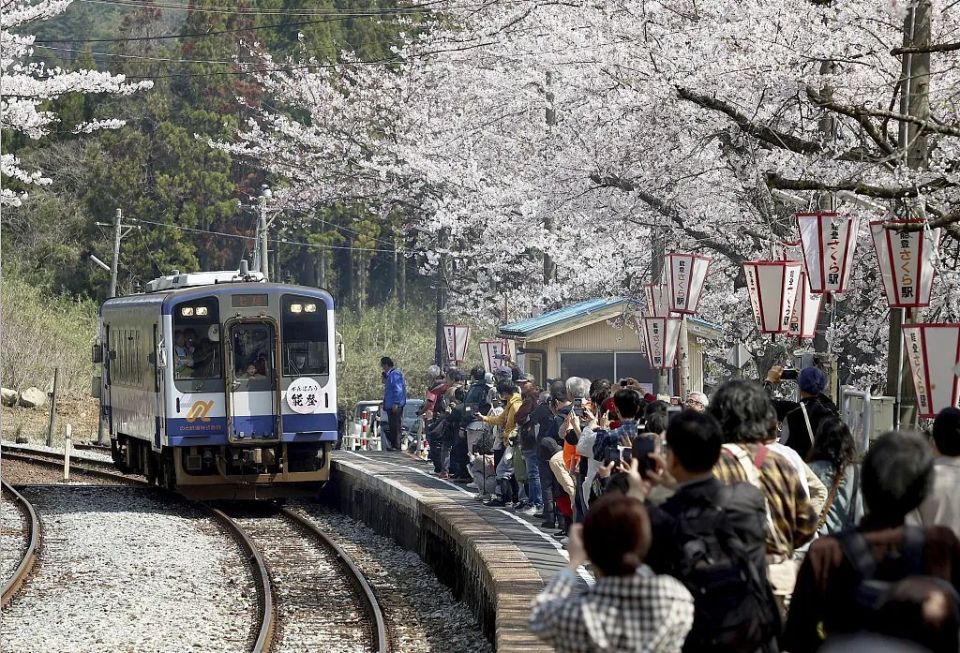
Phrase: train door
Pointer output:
(159, 359)
(252, 398)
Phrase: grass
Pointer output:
(42, 332)
(406, 336)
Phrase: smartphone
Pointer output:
(611, 455)
(642, 448)
(578, 406)
(790, 374)
(626, 455)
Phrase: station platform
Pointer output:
(494, 559)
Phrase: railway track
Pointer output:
(81, 466)
(322, 600)
(310, 594)
(32, 535)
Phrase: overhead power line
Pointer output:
(280, 241)
(398, 11)
(196, 35)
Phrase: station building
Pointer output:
(597, 339)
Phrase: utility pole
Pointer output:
(117, 235)
(265, 194)
(438, 356)
(914, 102)
(549, 265)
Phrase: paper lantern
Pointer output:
(772, 286)
(934, 353)
(661, 335)
(906, 262)
(686, 276)
(828, 240)
(806, 310)
(657, 299)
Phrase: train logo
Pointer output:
(199, 411)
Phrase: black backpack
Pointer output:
(734, 607)
(870, 592)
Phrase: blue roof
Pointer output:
(525, 328)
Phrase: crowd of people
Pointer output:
(738, 522)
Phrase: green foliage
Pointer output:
(405, 335)
(42, 331)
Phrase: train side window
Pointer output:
(196, 340)
(306, 349)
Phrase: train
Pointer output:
(221, 385)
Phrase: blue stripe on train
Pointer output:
(296, 428)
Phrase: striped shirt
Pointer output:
(790, 510)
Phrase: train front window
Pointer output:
(196, 340)
(305, 347)
(253, 360)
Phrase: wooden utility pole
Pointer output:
(549, 265)
(401, 273)
(117, 236)
(441, 281)
(322, 273)
(914, 102)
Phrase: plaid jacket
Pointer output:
(792, 515)
(639, 613)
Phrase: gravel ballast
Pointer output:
(421, 613)
(13, 536)
(128, 569)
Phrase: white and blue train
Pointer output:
(221, 385)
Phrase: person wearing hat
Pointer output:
(801, 419)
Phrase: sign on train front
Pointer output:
(303, 396)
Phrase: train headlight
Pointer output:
(201, 310)
(186, 311)
(309, 308)
(296, 308)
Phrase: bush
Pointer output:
(407, 336)
(43, 331)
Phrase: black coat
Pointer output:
(818, 408)
(746, 512)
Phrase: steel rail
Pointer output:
(81, 466)
(360, 581)
(265, 609)
(29, 559)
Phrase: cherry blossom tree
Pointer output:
(555, 150)
(26, 85)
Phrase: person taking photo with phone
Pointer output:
(801, 419)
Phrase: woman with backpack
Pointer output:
(834, 460)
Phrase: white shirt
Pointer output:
(942, 505)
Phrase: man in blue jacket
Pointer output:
(394, 399)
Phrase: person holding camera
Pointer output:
(507, 422)
(802, 419)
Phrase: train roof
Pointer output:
(167, 298)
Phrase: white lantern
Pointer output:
(657, 299)
(806, 310)
(828, 241)
(772, 286)
(934, 354)
(661, 335)
(686, 276)
(906, 262)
